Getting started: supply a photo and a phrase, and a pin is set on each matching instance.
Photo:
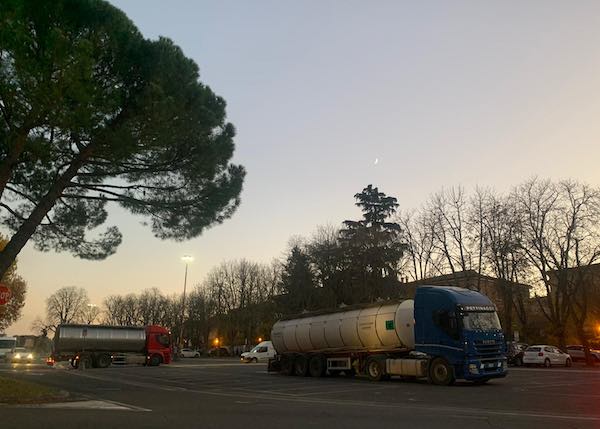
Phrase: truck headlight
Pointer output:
(18, 356)
(473, 368)
(30, 356)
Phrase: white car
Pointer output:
(260, 353)
(578, 353)
(189, 353)
(546, 355)
(21, 355)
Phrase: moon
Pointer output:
(376, 161)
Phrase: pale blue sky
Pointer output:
(442, 92)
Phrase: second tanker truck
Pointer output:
(99, 346)
(444, 334)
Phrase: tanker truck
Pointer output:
(99, 346)
(445, 333)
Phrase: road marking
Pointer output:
(85, 405)
(203, 365)
(555, 370)
(470, 412)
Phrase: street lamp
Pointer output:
(187, 259)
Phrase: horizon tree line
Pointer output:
(541, 233)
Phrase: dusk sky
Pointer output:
(442, 93)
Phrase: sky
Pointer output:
(440, 93)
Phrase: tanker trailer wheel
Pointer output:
(103, 361)
(301, 366)
(375, 369)
(85, 361)
(316, 366)
(287, 364)
(441, 373)
(155, 360)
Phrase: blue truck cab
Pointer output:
(460, 331)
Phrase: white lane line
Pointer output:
(554, 370)
(431, 410)
(203, 365)
(85, 405)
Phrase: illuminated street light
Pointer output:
(187, 259)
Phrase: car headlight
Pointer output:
(30, 356)
(18, 356)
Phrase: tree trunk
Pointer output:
(27, 228)
(14, 152)
(508, 310)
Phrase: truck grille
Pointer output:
(485, 349)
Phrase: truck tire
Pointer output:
(317, 366)
(301, 366)
(103, 360)
(85, 361)
(441, 373)
(155, 360)
(287, 364)
(375, 369)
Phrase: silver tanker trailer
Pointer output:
(99, 345)
(443, 334)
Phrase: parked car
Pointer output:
(577, 353)
(515, 353)
(260, 353)
(189, 353)
(22, 355)
(218, 352)
(546, 355)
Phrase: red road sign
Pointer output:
(4, 294)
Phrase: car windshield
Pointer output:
(481, 321)
(534, 349)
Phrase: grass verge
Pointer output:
(13, 391)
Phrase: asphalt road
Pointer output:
(217, 393)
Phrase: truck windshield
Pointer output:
(7, 344)
(485, 321)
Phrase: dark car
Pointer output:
(219, 352)
(514, 353)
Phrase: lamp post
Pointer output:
(187, 259)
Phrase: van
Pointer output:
(260, 353)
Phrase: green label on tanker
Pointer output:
(389, 325)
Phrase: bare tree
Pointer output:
(420, 260)
(501, 247)
(91, 313)
(560, 232)
(240, 291)
(452, 227)
(66, 305)
(121, 310)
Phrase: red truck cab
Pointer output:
(158, 344)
